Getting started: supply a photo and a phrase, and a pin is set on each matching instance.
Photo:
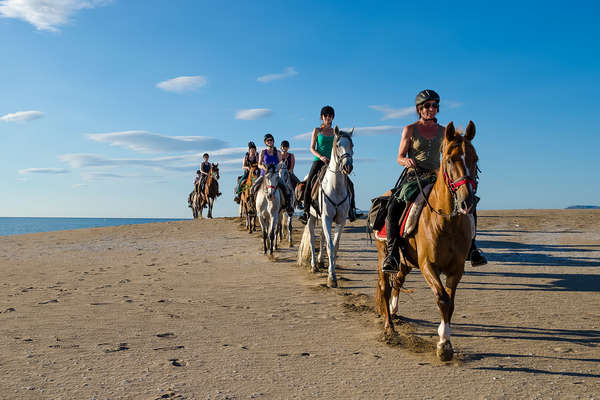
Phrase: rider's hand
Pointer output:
(324, 159)
(410, 163)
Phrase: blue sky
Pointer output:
(106, 106)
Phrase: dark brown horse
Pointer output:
(442, 239)
(209, 194)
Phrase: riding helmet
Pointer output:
(426, 95)
(285, 143)
(268, 136)
(328, 110)
(204, 155)
(198, 172)
(251, 145)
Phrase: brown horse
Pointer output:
(442, 239)
(247, 209)
(210, 192)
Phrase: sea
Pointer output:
(22, 225)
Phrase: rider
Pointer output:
(250, 159)
(321, 144)
(271, 156)
(419, 150)
(290, 162)
(200, 178)
(196, 181)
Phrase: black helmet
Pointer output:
(204, 155)
(328, 110)
(198, 172)
(268, 136)
(251, 145)
(285, 143)
(426, 95)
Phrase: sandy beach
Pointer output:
(194, 310)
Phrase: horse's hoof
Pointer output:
(332, 283)
(314, 269)
(445, 351)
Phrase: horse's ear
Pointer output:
(336, 130)
(450, 132)
(351, 131)
(470, 133)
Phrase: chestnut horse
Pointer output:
(442, 239)
(211, 191)
(247, 209)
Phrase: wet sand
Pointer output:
(193, 309)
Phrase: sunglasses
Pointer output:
(427, 106)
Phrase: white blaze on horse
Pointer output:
(333, 201)
(284, 223)
(268, 205)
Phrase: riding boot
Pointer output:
(475, 256)
(394, 241)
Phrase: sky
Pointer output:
(107, 106)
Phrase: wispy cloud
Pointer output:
(288, 72)
(394, 113)
(46, 15)
(452, 104)
(147, 142)
(253, 113)
(182, 84)
(22, 116)
(48, 171)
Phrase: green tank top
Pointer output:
(324, 145)
(426, 152)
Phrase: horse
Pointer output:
(210, 192)
(285, 219)
(246, 208)
(442, 239)
(268, 205)
(334, 203)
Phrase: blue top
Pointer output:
(269, 159)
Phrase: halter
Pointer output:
(463, 180)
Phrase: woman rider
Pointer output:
(271, 156)
(290, 162)
(321, 144)
(251, 158)
(419, 153)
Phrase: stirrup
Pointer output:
(477, 259)
(390, 264)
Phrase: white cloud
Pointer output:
(182, 84)
(452, 104)
(49, 171)
(147, 142)
(253, 113)
(394, 113)
(288, 72)
(303, 136)
(22, 116)
(46, 15)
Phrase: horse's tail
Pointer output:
(304, 251)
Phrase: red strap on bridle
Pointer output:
(453, 186)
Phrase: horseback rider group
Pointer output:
(419, 153)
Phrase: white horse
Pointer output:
(285, 219)
(268, 204)
(334, 203)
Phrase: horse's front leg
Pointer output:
(328, 239)
(272, 231)
(289, 227)
(444, 303)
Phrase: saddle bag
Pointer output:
(377, 213)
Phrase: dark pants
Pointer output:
(394, 212)
(314, 170)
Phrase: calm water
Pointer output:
(18, 226)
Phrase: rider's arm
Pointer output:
(313, 146)
(261, 164)
(246, 163)
(407, 135)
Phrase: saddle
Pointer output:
(410, 216)
(313, 185)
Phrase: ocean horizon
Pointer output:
(24, 225)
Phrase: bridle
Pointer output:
(339, 159)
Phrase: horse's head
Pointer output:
(342, 151)
(284, 174)
(271, 180)
(459, 167)
(214, 171)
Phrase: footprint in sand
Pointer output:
(166, 335)
(177, 362)
(49, 301)
(120, 347)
